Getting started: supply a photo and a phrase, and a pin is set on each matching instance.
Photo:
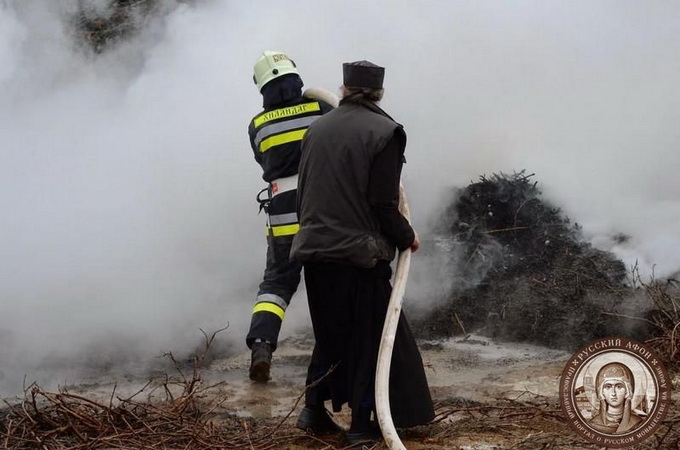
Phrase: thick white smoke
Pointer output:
(127, 183)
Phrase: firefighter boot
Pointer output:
(261, 361)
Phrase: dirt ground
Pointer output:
(488, 395)
(476, 369)
(470, 371)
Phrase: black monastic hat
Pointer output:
(363, 74)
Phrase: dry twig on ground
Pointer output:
(180, 412)
(664, 315)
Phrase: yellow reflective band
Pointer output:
(269, 307)
(282, 138)
(286, 112)
(283, 230)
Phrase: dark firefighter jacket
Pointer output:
(275, 135)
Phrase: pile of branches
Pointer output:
(102, 24)
(61, 421)
(523, 272)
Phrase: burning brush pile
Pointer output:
(524, 273)
(100, 24)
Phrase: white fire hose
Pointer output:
(382, 376)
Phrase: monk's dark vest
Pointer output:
(336, 220)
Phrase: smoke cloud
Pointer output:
(127, 183)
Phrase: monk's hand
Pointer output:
(416, 242)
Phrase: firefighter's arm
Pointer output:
(323, 95)
(251, 138)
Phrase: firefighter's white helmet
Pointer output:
(271, 65)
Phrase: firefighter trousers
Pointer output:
(281, 275)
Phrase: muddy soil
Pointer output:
(488, 395)
(476, 369)
(464, 372)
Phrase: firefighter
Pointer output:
(275, 136)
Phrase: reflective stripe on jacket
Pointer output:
(276, 134)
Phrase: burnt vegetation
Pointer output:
(99, 25)
(524, 272)
(664, 318)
